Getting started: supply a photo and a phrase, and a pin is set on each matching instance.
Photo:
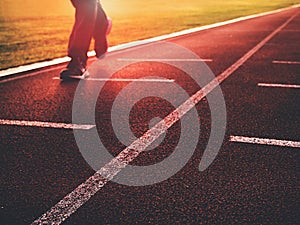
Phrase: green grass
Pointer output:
(144, 19)
(40, 38)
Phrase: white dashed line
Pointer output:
(278, 85)
(45, 124)
(80, 195)
(265, 141)
(126, 80)
(164, 60)
(286, 62)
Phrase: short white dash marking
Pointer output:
(164, 60)
(286, 62)
(126, 80)
(45, 124)
(131, 80)
(278, 85)
(265, 141)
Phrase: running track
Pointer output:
(254, 178)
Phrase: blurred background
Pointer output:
(38, 30)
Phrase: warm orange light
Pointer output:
(34, 8)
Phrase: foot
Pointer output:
(76, 69)
(72, 73)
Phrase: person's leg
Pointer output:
(80, 38)
(81, 35)
(100, 31)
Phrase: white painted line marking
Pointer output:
(27, 68)
(126, 80)
(31, 74)
(164, 60)
(278, 85)
(286, 62)
(265, 141)
(46, 124)
(80, 195)
(131, 80)
(21, 69)
(197, 29)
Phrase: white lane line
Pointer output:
(80, 195)
(265, 141)
(46, 124)
(129, 45)
(126, 80)
(164, 60)
(278, 85)
(286, 62)
(131, 80)
(31, 74)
